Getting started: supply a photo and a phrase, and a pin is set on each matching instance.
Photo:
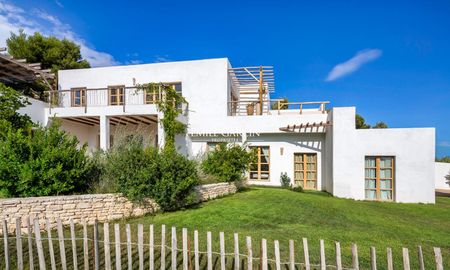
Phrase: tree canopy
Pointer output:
(360, 123)
(52, 53)
(10, 102)
(445, 159)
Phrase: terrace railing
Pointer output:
(90, 247)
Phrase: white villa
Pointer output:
(316, 145)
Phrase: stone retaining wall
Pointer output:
(101, 207)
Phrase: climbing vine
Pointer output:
(169, 103)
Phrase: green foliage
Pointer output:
(297, 189)
(285, 180)
(228, 162)
(445, 159)
(51, 52)
(280, 106)
(380, 124)
(169, 105)
(42, 163)
(361, 122)
(139, 173)
(173, 188)
(10, 102)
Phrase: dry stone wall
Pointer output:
(101, 207)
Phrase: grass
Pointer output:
(278, 214)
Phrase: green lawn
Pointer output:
(278, 214)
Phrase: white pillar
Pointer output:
(104, 132)
(244, 137)
(160, 129)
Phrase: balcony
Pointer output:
(276, 107)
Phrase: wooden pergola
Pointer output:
(308, 127)
(15, 71)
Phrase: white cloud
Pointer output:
(162, 58)
(13, 18)
(444, 144)
(353, 64)
(59, 4)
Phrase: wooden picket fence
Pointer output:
(169, 251)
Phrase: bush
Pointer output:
(228, 162)
(297, 189)
(130, 169)
(285, 180)
(138, 173)
(177, 177)
(42, 163)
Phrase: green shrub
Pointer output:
(285, 180)
(138, 173)
(297, 189)
(177, 177)
(228, 162)
(42, 163)
(130, 169)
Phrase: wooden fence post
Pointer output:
(62, 249)
(39, 247)
(5, 242)
(276, 245)
(306, 254)
(264, 265)
(50, 245)
(338, 256)
(222, 250)
(96, 248)
(236, 252)
(355, 260)
(151, 243)
(421, 262)
(19, 243)
(438, 258)
(85, 246)
(185, 249)
(323, 264)
(373, 258)
(129, 251)
(141, 246)
(117, 246)
(196, 255)
(74, 244)
(405, 259)
(209, 250)
(390, 262)
(106, 246)
(163, 247)
(249, 253)
(30, 244)
(174, 249)
(291, 255)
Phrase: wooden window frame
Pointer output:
(156, 96)
(82, 97)
(305, 170)
(259, 164)
(378, 188)
(117, 95)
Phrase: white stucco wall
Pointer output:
(442, 170)
(36, 111)
(413, 149)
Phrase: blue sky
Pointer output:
(389, 59)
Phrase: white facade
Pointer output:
(328, 137)
(442, 170)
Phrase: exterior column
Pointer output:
(160, 130)
(244, 137)
(104, 132)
